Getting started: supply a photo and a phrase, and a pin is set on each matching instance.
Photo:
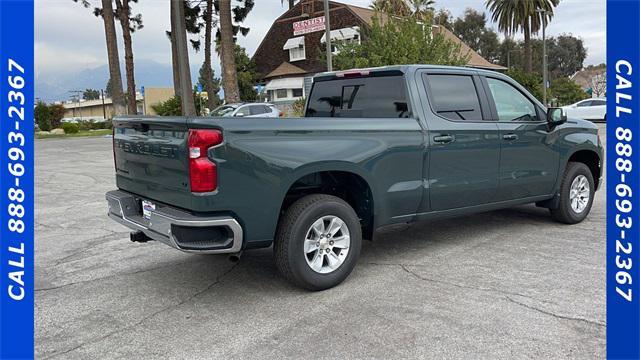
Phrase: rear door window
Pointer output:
(257, 109)
(370, 97)
(454, 97)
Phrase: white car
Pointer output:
(247, 110)
(589, 109)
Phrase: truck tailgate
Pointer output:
(151, 156)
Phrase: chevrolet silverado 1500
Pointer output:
(376, 147)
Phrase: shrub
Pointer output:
(171, 107)
(57, 113)
(84, 125)
(70, 128)
(566, 91)
(298, 107)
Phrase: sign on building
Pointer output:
(308, 26)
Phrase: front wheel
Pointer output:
(318, 242)
(576, 194)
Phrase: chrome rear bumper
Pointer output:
(177, 228)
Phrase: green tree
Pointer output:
(565, 91)
(566, 55)
(472, 29)
(530, 81)
(247, 74)
(91, 94)
(57, 113)
(401, 41)
(522, 16)
(212, 92)
(42, 115)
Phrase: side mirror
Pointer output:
(239, 115)
(556, 116)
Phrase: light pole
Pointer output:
(77, 95)
(328, 35)
(545, 80)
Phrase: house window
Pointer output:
(343, 36)
(297, 54)
(296, 48)
(297, 93)
(282, 93)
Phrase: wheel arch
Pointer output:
(591, 159)
(338, 179)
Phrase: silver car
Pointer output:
(247, 110)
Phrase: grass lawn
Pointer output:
(81, 133)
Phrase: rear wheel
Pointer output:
(318, 242)
(576, 194)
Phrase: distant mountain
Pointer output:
(56, 87)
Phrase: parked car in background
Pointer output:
(247, 110)
(589, 109)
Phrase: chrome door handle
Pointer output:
(443, 139)
(510, 137)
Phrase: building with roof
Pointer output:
(292, 51)
(101, 109)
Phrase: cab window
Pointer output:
(454, 97)
(365, 97)
(511, 104)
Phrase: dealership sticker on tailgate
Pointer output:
(147, 206)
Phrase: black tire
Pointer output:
(565, 213)
(292, 231)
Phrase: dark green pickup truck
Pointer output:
(376, 147)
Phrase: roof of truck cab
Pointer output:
(405, 69)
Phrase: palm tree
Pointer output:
(422, 9)
(182, 51)
(129, 25)
(229, 74)
(393, 7)
(522, 15)
(208, 78)
(115, 76)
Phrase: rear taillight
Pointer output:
(203, 174)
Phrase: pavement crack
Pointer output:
(91, 244)
(557, 316)
(111, 276)
(405, 268)
(150, 316)
(561, 317)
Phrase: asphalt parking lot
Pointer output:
(500, 285)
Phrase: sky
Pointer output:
(68, 38)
